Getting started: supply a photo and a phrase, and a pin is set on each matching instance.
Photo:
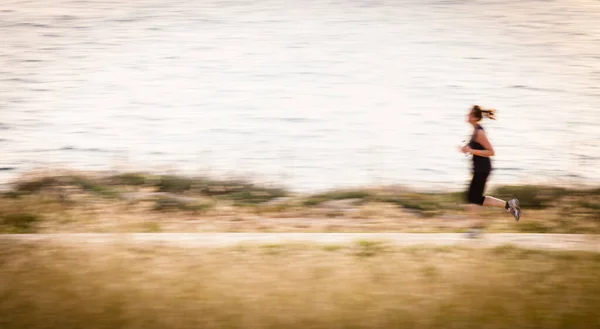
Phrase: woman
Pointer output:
(481, 149)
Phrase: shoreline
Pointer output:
(13, 175)
(77, 202)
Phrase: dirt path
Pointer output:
(533, 241)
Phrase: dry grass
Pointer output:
(136, 202)
(368, 285)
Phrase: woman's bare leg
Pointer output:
(477, 223)
(512, 205)
(490, 201)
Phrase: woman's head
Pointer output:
(477, 113)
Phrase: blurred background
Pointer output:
(344, 100)
(310, 94)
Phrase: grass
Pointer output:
(124, 201)
(252, 196)
(86, 183)
(18, 223)
(37, 184)
(591, 207)
(295, 286)
(129, 179)
(317, 199)
(238, 190)
(540, 197)
(25, 213)
(151, 227)
(98, 188)
(421, 204)
(367, 248)
(534, 227)
(425, 204)
(173, 204)
(175, 184)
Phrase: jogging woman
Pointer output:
(481, 149)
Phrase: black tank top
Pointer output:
(480, 164)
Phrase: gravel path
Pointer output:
(533, 241)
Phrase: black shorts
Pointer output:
(475, 193)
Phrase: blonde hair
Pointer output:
(480, 113)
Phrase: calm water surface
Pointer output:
(313, 94)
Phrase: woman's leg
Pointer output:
(490, 201)
(476, 199)
(476, 221)
(511, 205)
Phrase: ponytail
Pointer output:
(480, 113)
(490, 114)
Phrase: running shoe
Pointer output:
(514, 208)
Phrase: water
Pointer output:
(311, 94)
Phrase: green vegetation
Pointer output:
(534, 227)
(171, 204)
(540, 197)
(36, 185)
(95, 201)
(85, 183)
(175, 184)
(240, 191)
(427, 206)
(369, 248)
(17, 223)
(317, 199)
(131, 179)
